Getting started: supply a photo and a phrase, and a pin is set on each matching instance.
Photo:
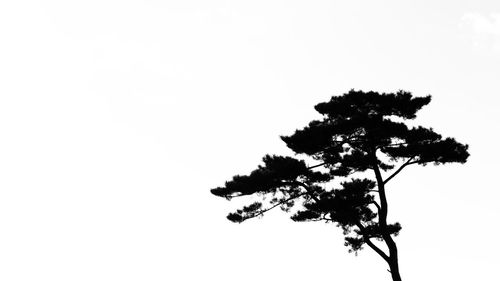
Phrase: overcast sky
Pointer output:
(117, 117)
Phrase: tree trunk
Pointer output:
(394, 268)
(393, 258)
(391, 245)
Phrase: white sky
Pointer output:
(117, 117)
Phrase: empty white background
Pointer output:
(117, 117)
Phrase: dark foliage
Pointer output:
(359, 131)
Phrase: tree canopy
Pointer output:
(359, 132)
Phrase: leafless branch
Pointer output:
(409, 162)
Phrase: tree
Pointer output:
(361, 134)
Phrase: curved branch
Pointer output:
(376, 205)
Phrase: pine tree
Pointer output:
(360, 135)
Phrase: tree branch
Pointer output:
(409, 162)
(376, 205)
(373, 246)
(274, 206)
(308, 191)
(316, 166)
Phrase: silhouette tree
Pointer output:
(360, 134)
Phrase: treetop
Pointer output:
(360, 131)
(357, 133)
